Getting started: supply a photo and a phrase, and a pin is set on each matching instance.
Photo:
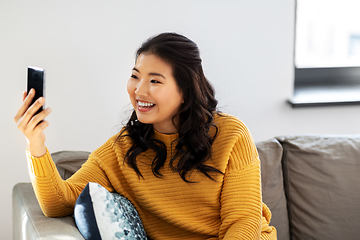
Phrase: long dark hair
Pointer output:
(196, 115)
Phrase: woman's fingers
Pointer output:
(39, 128)
(24, 95)
(38, 119)
(27, 98)
(29, 119)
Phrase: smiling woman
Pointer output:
(190, 171)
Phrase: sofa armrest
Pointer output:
(30, 223)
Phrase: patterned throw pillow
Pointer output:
(100, 214)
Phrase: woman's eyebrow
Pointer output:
(135, 69)
(157, 74)
(151, 74)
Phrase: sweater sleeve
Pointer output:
(241, 201)
(56, 196)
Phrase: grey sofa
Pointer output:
(310, 183)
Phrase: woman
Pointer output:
(191, 172)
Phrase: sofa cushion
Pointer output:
(100, 214)
(270, 153)
(322, 182)
(68, 162)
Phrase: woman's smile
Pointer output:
(144, 106)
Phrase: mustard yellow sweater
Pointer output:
(229, 208)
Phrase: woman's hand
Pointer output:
(31, 125)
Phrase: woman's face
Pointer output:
(154, 93)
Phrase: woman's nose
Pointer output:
(141, 89)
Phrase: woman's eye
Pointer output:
(133, 76)
(155, 81)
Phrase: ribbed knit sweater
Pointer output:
(228, 208)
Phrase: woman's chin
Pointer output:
(144, 121)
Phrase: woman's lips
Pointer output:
(145, 106)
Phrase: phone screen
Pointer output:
(36, 80)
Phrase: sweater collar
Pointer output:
(166, 138)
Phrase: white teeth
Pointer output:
(144, 104)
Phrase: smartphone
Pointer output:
(36, 80)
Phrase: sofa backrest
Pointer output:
(270, 153)
(322, 186)
(68, 162)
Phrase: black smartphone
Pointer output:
(36, 80)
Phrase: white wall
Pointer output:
(87, 49)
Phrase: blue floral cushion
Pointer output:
(100, 214)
